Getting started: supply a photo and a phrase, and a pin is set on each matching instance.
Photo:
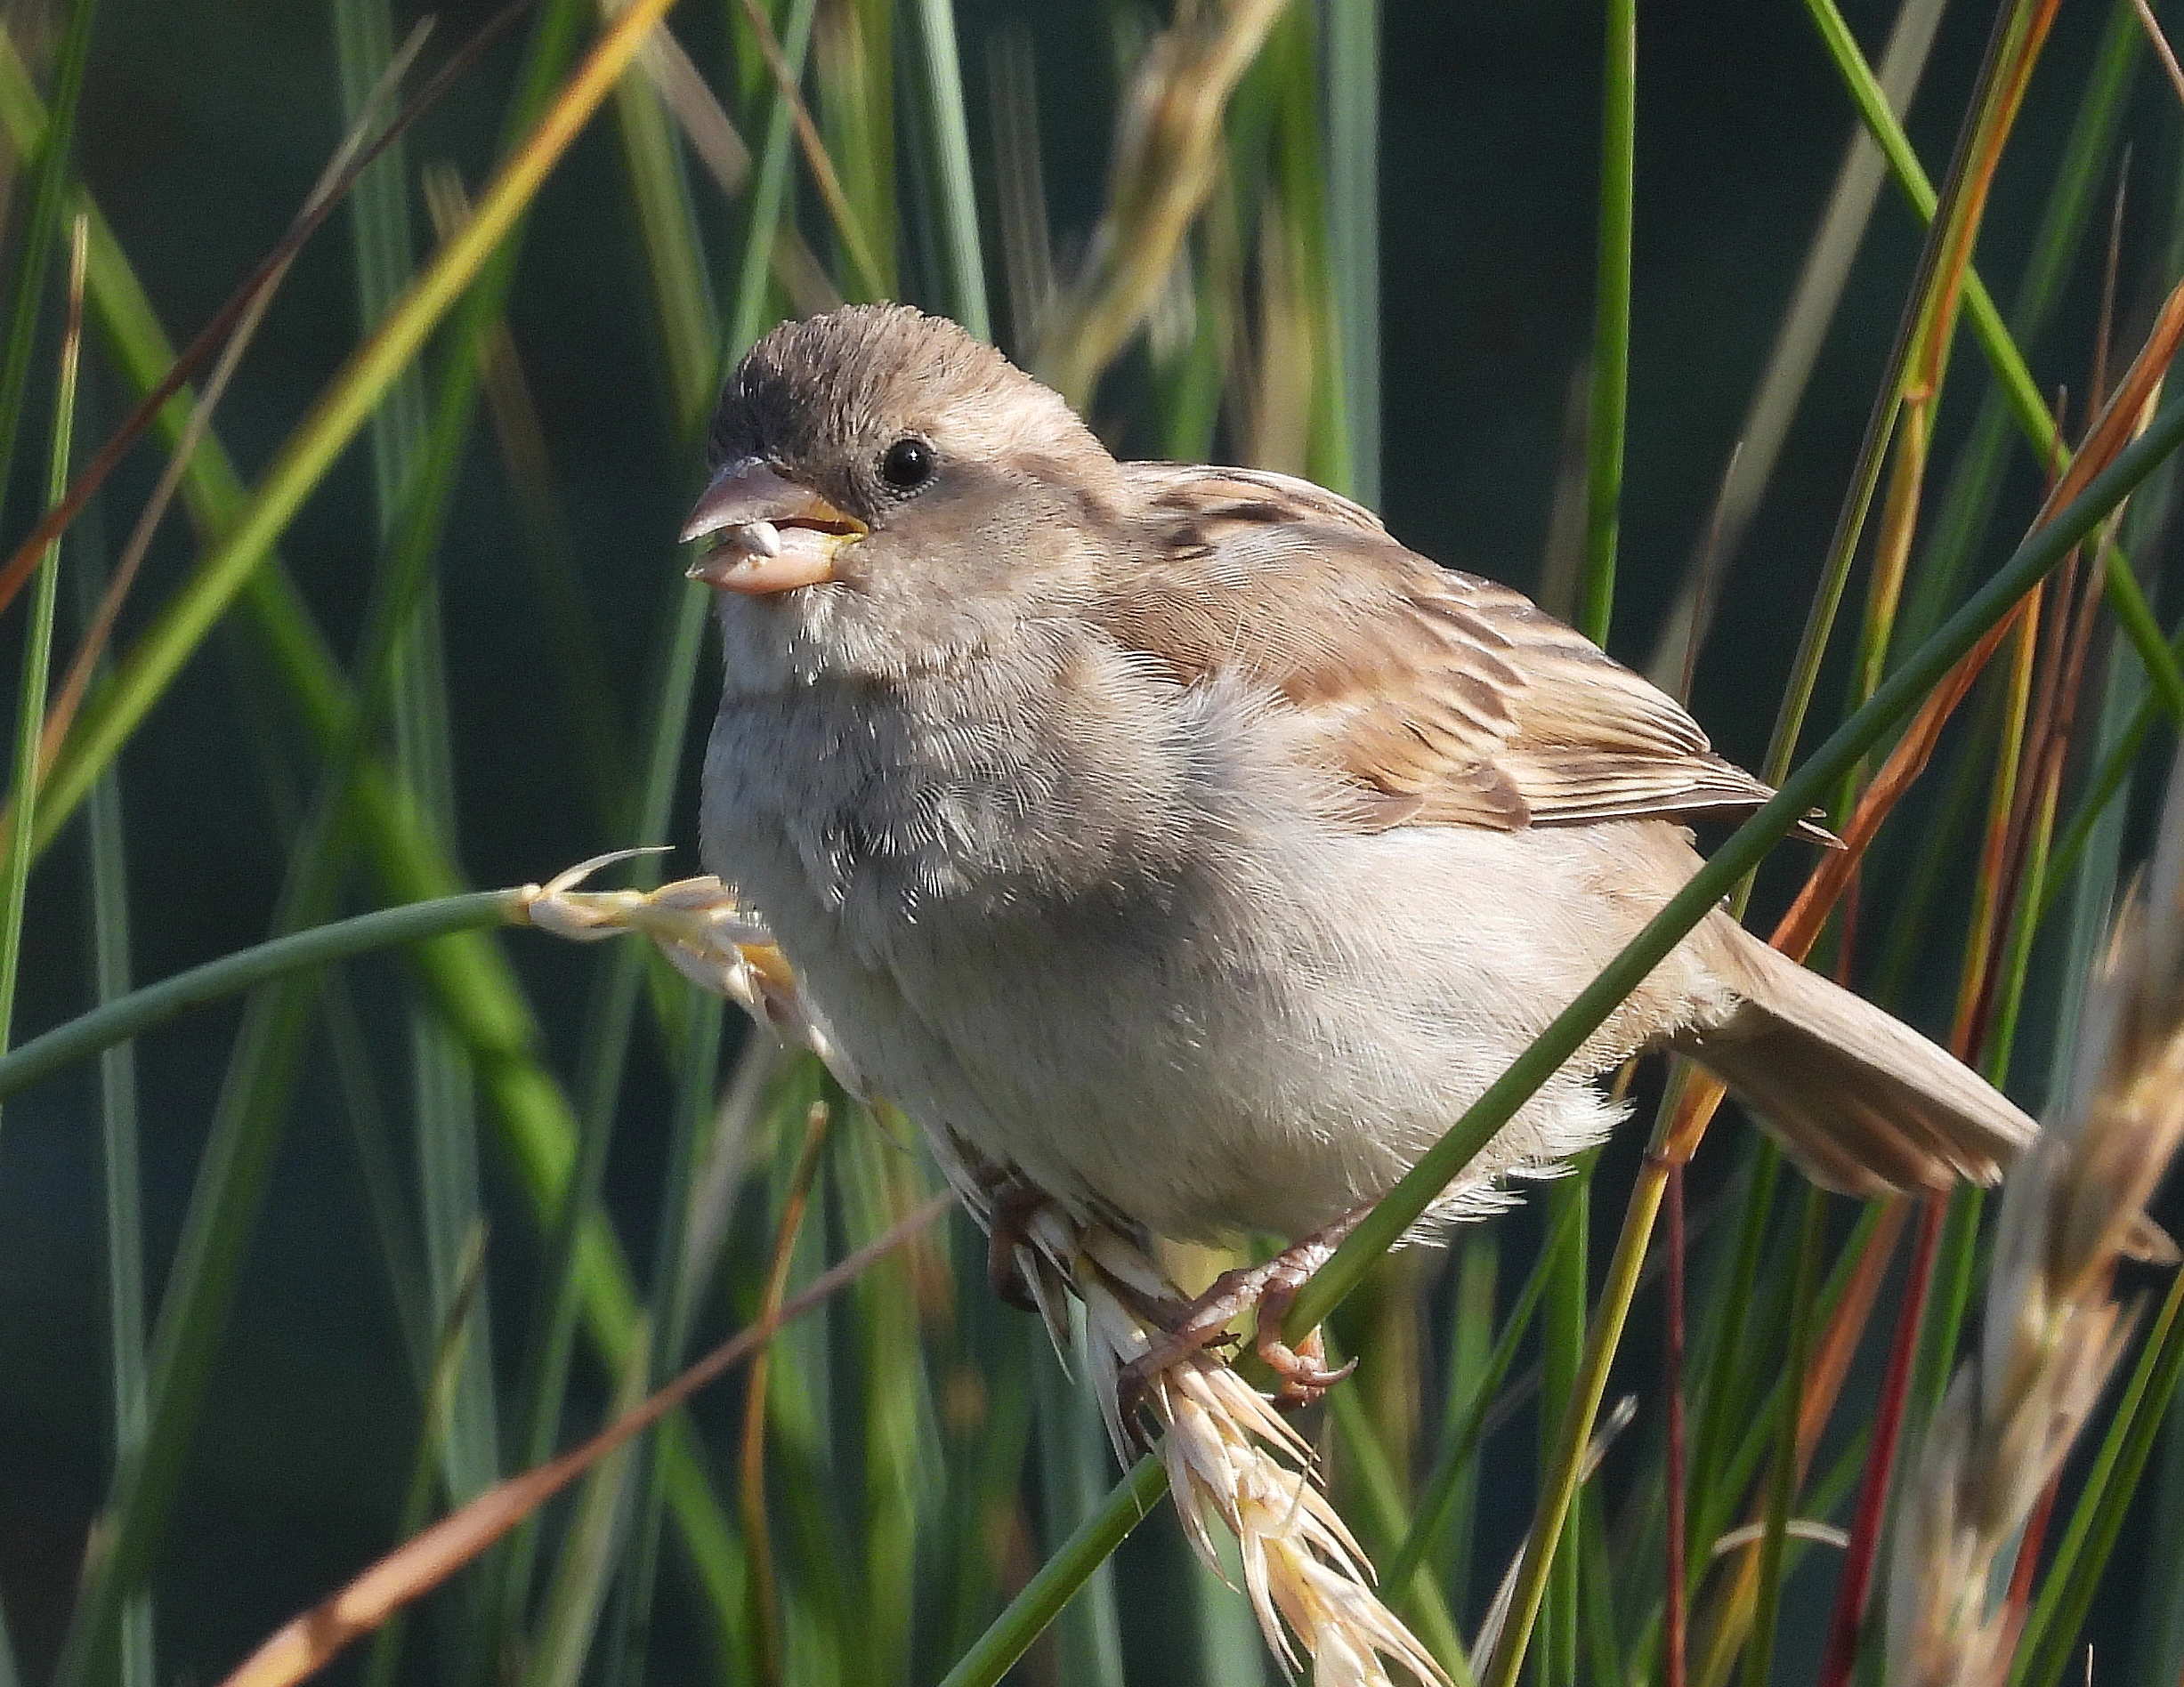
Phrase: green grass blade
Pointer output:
(1602, 1654)
(450, 1208)
(106, 840)
(1804, 324)
(1471, 1350)
(2021, 392)
(386, 1196)
(469, 977)
(571, 626)
(138, 1011)
(1873, 104)
(14, 883)
(1353, 82)
(1060, 1577)
(2098, 809)
(2087, 859)
(437, 1402)
(2135, 615)
(769, 185)
(1783, 1474)
(1562, 1467)
(1383, 1518)
(542, 1390)
(1966, 509)
(896, 1501)
(1944, 838)
(1562, 1314)
(405, 662)
(578, 1595)
(379, 213)
(1435, 1518)
(682, 308)
(605, 1057)
(689, 335)
(142, 676)
(674, 258)
(1072, 1444)
(1611, 322)
(49, 199)
(1231, 1651)
(1716, 1503)
(1564, 1321)
(806, 1425)
(38, 658)
(933, 28)
(852, 61)
(984, 1357)
(232, 1175)
(667, 1312)
(1729, 1362)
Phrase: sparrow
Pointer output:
(1173, 844)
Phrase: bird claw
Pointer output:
(1301, 1372)
(1011, 1259)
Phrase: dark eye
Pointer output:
(907, 465)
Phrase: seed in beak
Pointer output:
(762, 536)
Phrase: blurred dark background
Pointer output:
(204, 124)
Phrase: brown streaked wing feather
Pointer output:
(1447, 698)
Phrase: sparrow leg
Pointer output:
(1013, 1204)
(1267, 1290)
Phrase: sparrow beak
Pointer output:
(768, 533)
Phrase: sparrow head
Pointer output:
(851, 432)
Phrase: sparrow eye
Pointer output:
(907, 465)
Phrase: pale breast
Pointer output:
(1174, 987)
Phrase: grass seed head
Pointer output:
(2052, 1329)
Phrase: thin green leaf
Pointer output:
(144, 674)
(52, 159)
(38, 654)
(106, 839)
(1782, 1472)
(1060, 1577)
(471, 979)
(1352, 50)
(578, 1593)
(1611, 322)
(933, 28)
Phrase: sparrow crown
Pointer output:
(847, 403)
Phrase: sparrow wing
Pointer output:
(1448, 699)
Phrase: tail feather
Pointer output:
(1864, 1103)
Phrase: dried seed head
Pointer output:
(2052, 1331)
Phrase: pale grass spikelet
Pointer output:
(1489, 1635)
(2052, 1330)
(707, 934)
(1234, 1462)
(1167, 155)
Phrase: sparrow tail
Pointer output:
(1864, 1103)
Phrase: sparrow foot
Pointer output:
(1008, 1242)
(1267, 1290)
